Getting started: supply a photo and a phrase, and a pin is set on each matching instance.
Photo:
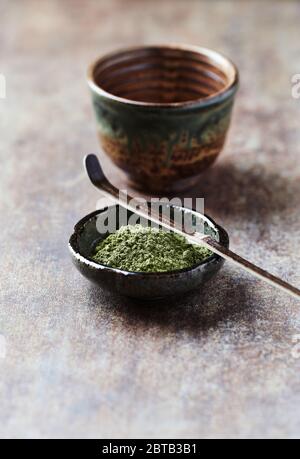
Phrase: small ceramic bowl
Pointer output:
(136, 284)
(163, 111)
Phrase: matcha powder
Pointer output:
(144, 249)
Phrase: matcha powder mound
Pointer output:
(144, 249)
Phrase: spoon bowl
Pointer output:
(148, 286)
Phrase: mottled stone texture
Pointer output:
(84, 363)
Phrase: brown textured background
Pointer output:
(83, 363)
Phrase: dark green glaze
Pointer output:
(161, 148)
(152, 128)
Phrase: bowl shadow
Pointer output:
(194, 313)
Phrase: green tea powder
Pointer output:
(144, 249)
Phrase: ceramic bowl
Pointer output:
(135, 284)
(163, 112)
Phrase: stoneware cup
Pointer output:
(163, 111)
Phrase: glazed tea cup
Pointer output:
(163, 112)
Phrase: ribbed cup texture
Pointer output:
(161, 75)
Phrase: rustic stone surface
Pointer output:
(84, 363)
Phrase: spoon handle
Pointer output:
(98, 179)
(256, 271)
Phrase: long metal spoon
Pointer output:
(98, 179)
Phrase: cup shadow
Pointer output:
(249, 193)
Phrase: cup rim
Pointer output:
(219, 59)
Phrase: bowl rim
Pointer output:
(215, 56)
(73, 248)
